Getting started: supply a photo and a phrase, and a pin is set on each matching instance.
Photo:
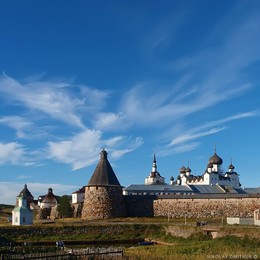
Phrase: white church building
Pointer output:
(213, 175)
(213, 181)
(22, 214)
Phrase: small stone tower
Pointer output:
(103, 194)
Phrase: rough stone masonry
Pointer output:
(206, 206)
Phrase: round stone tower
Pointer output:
(103, 194)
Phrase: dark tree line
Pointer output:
(64, 207)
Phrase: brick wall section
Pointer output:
(102, 202)
(206, 207)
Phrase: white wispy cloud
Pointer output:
(19, 124)
(94, 99)
(180, 148)
(145, 105)
(208, 128)
(110, 121)
(130, 144)
(72, 107)
(45, 97)
(12, 153)
(191, 136)
(209, 124)
(82, 149)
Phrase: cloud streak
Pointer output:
(144, 106)
(19, 124)
(189, 136)
(13, 153)
(46, 97)
(209, 128)
(82, 150)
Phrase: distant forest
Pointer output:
(4, 206)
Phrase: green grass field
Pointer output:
(239, 242)
(200, 249)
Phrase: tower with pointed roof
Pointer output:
(103, 193)
(22, 214)
(26, 194)
(154, 176)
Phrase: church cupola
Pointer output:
(188, 171)
(215, 159)
(182, 171)
(231, 167)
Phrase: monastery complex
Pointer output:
(214, 194)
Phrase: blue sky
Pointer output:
(134, 77)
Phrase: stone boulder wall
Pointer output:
(47, 213)
(206, 208)
(103, 202)
(181, 231)
(77, 209)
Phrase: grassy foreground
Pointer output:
(238, 243)
(200, 248)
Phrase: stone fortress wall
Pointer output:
(215, 194)
(207, 206)
(196, 206)
(139, 206)
(103, 202)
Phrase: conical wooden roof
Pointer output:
(103, 174)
